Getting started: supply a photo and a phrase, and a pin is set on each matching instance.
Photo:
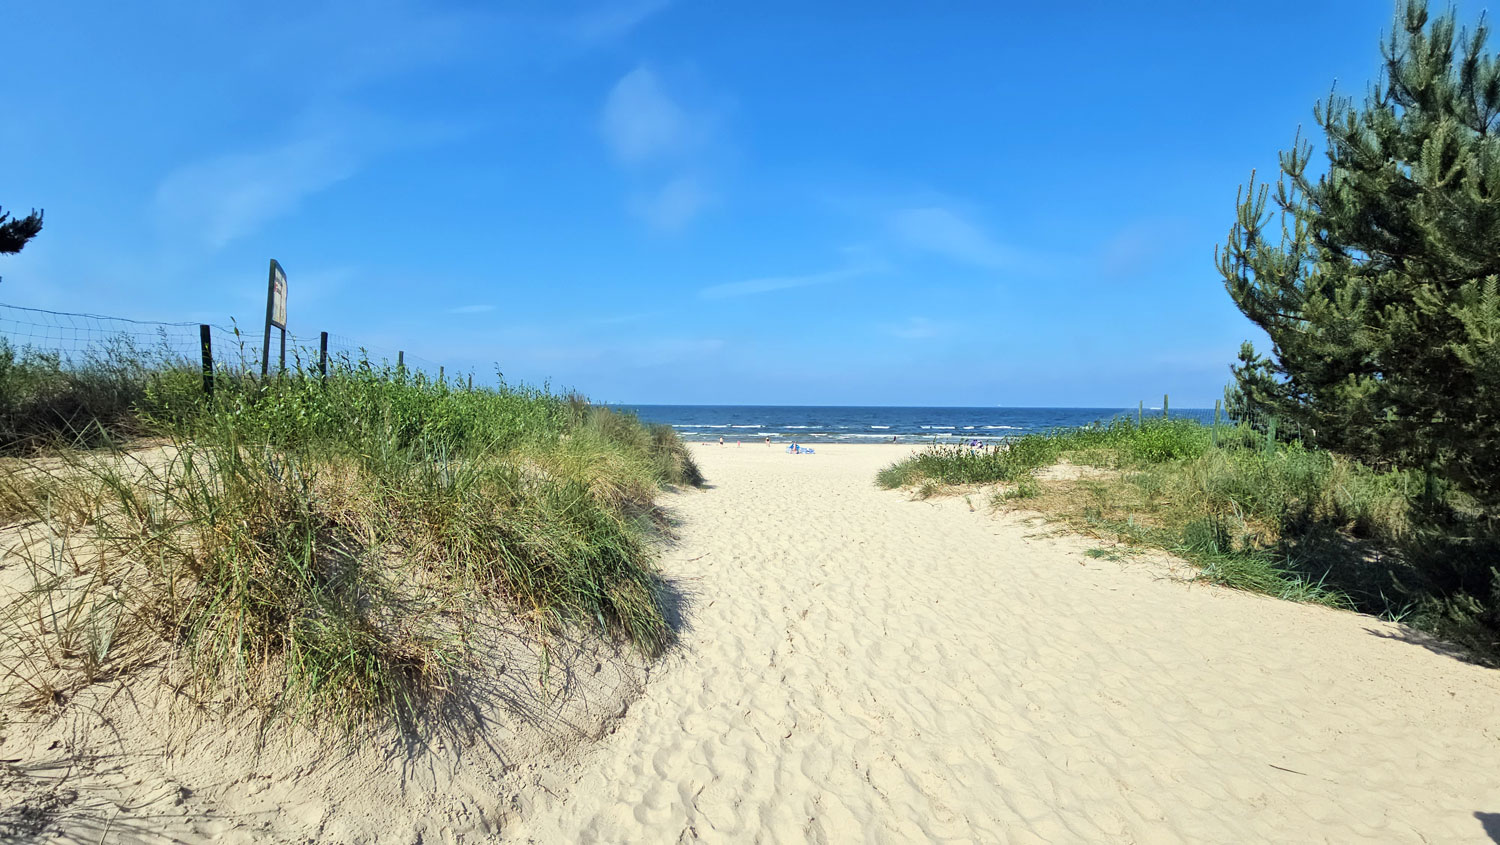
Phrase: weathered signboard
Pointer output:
(275, 316)
(278, 296)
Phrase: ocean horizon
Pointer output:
(877, 423)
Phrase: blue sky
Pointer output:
(697, 202)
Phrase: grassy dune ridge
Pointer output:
(1253, 513)
(313, 545)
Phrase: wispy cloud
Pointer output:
(221, 198)
(775, 283)
(471, 309)
(226, 197)
(338, 46)
(615, 20)
(947, 233)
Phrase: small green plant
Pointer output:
(1026, 487)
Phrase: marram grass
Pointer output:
(1255, 514)
(320, 548)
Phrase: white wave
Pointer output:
(879, 426)
(968, 428)
(802, 426)
(746, 426)
(938, 427)
(1008, 427)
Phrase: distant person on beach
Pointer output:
(768, 441)
(721, 440)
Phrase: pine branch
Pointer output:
(14, 233)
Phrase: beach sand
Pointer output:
(853, 666)
(857, 666)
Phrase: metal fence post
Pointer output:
(1164, 413)
(1217, 404)
(323, 355)
(206, 341)
(440, 374)
(471, 382)
(401, 364)
(1140, 414)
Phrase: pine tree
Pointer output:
(1379, 284)
(15, 233)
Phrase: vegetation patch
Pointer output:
(318, 547)
(1255, 513)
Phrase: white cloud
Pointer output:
(641, 123)
(944, 232)
(471, 309)
(663, 146)
(227, 197)
(775, 283)
(675, 205)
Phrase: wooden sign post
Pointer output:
(275, 316)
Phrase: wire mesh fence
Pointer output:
(79, 339)
(76, 337)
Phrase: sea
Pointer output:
(873, 424)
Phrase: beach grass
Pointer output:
(317, 547)
(47, 402)
(1253, 513)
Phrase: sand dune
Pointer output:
(853, 666)
(860, 667)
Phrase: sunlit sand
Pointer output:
(861, 667)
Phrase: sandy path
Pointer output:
(857, 666)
